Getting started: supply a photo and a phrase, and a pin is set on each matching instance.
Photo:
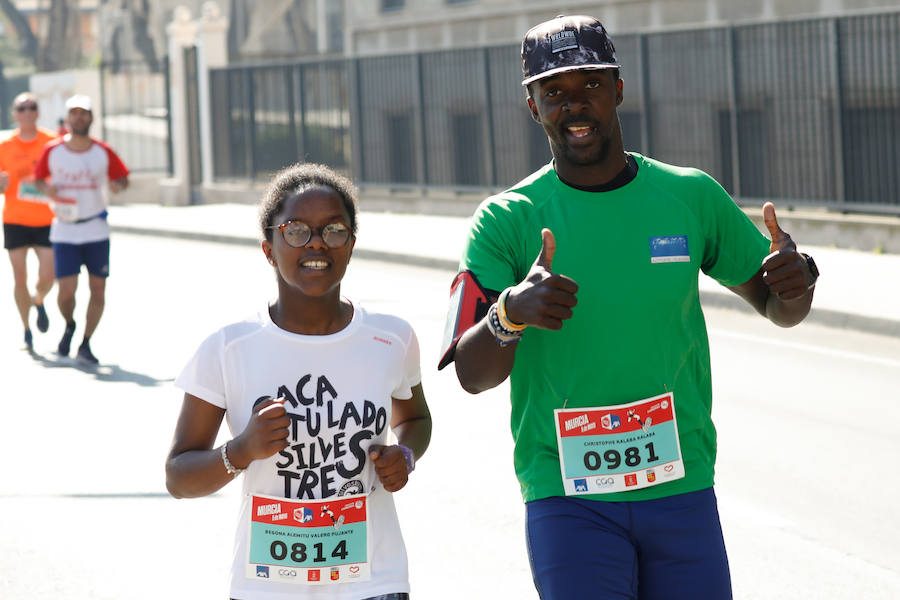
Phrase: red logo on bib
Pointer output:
(312, 575)
(630, 479)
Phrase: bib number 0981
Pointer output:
(613, 459)
(298, 551)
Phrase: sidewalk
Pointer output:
(857, 290)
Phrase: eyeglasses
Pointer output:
(297, 233)
(24, 107)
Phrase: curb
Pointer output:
(819, 316)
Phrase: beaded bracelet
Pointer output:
(504, 336)
(232, 470)
(504, 318)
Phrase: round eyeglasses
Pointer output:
(297, 233)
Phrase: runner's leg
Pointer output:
(96, 303)
(581, 549)
(681, 551)
(65, 296)
(96, 259)
(45, 273)
(18, 259)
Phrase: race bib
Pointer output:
(316, 542)
(618, 448)
(65, 209)
(28, 191)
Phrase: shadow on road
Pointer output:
(101, 372)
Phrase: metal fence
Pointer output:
(802, 112)
(136, 114)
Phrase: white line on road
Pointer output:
(888, 362)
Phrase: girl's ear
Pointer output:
(267, 250)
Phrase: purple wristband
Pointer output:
(409, 456)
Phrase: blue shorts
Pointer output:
(68, 258)
(666, 549)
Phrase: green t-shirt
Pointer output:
(638, 330)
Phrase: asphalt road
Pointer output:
(806, 473)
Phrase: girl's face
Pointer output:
(314, 268)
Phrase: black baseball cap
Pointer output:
(566, 44)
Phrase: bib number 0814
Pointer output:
(613, 459)
(298, 551)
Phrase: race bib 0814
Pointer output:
(315, 542)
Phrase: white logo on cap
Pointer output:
(564, 40)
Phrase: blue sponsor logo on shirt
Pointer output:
(581, 485)
(262, 571)
(669, 248)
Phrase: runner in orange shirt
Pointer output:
(26, 215)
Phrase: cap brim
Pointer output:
(558, 70)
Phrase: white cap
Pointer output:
(79, 101)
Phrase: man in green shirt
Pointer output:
(611, 399)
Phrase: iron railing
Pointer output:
(802, 112)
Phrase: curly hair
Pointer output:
(298, 178)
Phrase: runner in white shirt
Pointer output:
(314, 388)
(81, 171)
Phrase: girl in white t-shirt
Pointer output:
(312, 388)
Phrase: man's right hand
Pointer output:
(266, 433)
(543, 299)
(4, 181)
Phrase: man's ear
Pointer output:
(619, 94)
(533, 109)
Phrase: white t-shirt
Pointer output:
(373, 359)
(82, 179)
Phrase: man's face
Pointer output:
(80, 121)
(577, 110)
(25, 113)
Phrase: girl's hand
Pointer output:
(265, 434)
(390, 466)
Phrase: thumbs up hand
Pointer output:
(785, 270)
(780, 238)
(543, 299)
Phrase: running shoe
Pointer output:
(28, 341)
(66, 342)
(85, 355)
(43, 323)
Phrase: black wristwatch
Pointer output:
(813, 270)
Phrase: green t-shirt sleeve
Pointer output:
(493, 248)
(734, 247)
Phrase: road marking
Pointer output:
(888, 362)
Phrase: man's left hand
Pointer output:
(390, 466)
(785, 270)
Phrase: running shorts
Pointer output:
(68, 258)
(664, 549)
(18, 236)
